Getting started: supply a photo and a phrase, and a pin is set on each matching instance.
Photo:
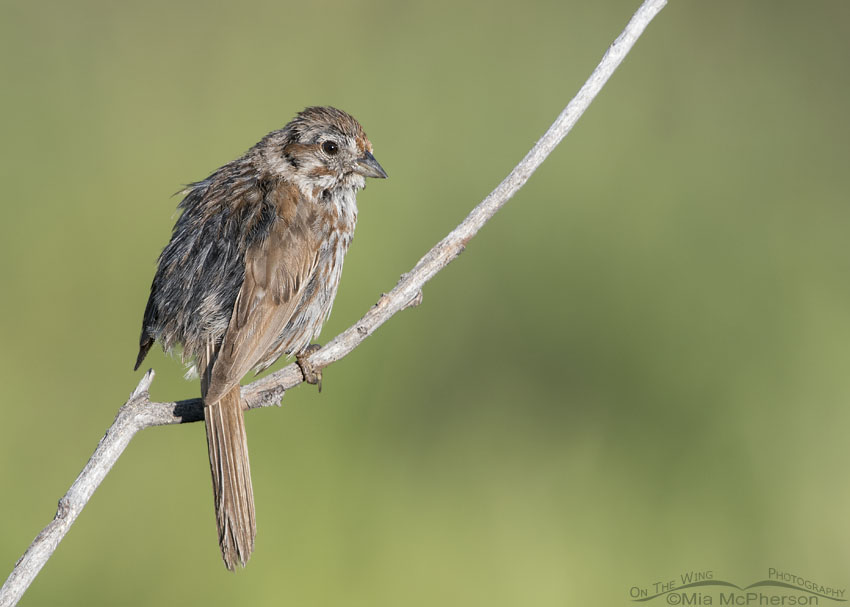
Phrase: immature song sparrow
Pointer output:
(250, 274)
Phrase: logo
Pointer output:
(705, 588)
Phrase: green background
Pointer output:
(638, 368)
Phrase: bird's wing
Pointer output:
(277, 269)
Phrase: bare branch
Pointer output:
(139, 413)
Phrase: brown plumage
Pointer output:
(250, 274)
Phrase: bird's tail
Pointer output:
(231, 476)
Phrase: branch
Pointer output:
(139, 413)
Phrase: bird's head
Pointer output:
(322, 147)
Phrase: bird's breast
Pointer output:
(334, 222)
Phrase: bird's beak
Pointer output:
(369, 167)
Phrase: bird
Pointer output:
(249, 275)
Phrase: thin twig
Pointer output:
(139, 413)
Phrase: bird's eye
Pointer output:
(330, 148)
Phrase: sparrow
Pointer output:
(250, 275)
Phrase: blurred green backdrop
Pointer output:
(640, 367)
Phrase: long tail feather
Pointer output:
(231, 476)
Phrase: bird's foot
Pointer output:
(312, 373)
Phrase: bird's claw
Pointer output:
(312, 373)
